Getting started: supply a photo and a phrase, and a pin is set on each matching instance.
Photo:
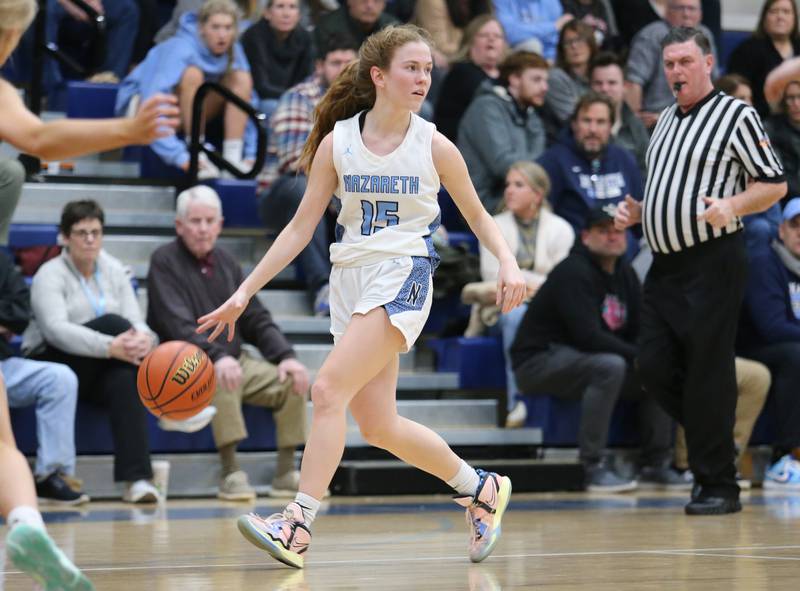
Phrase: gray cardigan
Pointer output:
(60, 307)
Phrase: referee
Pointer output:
(709, 162)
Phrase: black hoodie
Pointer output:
(582, 306)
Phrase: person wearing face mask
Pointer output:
(204, 49)
(585, 168)
(280, 52)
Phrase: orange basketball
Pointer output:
(176, 380)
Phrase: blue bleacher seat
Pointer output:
(477, 360)
(239, 205)
(24, 235)
(86, 100)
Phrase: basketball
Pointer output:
(176, 380)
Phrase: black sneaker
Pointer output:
(54, 490)
(663, 478)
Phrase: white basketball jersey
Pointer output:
(389, 203)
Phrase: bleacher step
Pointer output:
(117, 217)
(470, 436)
(392, 477)
(110, 197)
(129, 247)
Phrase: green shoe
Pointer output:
(32, 551)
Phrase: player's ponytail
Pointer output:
(353, 90)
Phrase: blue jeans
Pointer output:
(509, 323)
(53, 388)
(277, 207)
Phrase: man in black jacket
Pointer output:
(52, 387)
(577, 340)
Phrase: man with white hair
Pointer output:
(187, 278)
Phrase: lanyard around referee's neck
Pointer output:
(98, 303)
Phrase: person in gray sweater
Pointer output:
(501, 127)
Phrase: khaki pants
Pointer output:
(752, 381)
(260, 387)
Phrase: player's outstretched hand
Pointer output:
(719, 212)
(511, 286)
(224, 317)
(157, 117)
(629, 213)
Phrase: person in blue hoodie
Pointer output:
(585, 168)
(204, 48)
(769, 332)
(523, 20)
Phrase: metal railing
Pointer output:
(195, 145)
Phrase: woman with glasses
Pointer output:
(569, 79)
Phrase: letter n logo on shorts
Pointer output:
(413, 293)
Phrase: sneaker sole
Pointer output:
(33, 552)
(258, 539)
(774, 485)
(503, 498)
(82, 500)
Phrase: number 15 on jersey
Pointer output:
(378, 216)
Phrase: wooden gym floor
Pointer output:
(554, 542)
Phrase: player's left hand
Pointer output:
(511, 286)
(719, 212)
(292, 368)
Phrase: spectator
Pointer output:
(356, 18)
(52, 387)
(290, 127)
(569, 79)
(770, 333)
(12, 177)
(637, 15)
(501, 126)
(647, 91)
(446, 22)
(599, 15)
(247, 11)
(539, 240)
(737, 86)
(205, 48)
(584, 168)
(606, 76)
(279, 51)
(86, 316)
(775, 39)
(784, 131)
(578, 341)
(278, 381)
(482, 49)
(526, 20)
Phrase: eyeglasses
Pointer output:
(84, 234)
(574, 42)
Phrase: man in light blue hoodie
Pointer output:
(524, 20)
(204, 48)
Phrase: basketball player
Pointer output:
(27, 542)
(385, 164)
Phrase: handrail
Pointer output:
(195, 145)
(41, 47)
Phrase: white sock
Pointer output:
(27, 515)
(309, 505)
(466, 480)
(232, 150)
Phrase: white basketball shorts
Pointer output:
(403, 286)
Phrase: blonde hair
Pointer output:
(536, 177)
(226, 7)
(17, 14)
(471, 31)
(353, 90)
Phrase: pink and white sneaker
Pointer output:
(485, 512)
(285, 536)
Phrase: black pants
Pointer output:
(690, 313)
(783, 361)
(598, 380)
(111, 384)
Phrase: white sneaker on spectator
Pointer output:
(206, 169)
(141, 491)
(516, 417)
(190, 425)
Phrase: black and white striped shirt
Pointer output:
(711, 151)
